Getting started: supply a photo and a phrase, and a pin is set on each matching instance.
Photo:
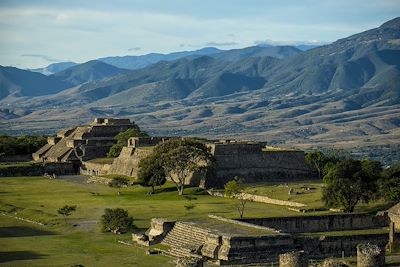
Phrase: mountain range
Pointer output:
(346, 93)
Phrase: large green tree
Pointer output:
(350, 181)
(151, 172)
(184, 157)
(122, 140)
(178, 158)
(390, 183)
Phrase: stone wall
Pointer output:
(128, 160)
(325, 223)
(333, 246)
(38, 169)
(91, 168)
(394, 215)
(247, 160)
(254, 249)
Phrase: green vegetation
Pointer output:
(177, 159)
(151, 172)
(122, 140)
(119, 182)
(12, 165)
(351, 181)
(20, 145)
(84, 243)
(66, 211)
(116, 220)
(306, 192)
(390, 183)
(233, 189)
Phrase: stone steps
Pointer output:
(183, 239)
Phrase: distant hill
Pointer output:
(90, 71)
(257, 51)
(344, 93)
(137, 62)
(54, 68)
(15, 82)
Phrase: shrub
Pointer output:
(116, 220)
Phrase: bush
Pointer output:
(116, 220)
(122, 140)
(119, 182)
(20, 145)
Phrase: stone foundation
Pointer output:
(325, 223)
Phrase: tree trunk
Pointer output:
(180, 189)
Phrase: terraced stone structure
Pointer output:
(255, 163)
(84, 142)
(225, 242)
(250, 160)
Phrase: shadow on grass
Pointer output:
(19, 255)
(380, 207)
(21, 231)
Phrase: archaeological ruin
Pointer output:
(228, 242)
(82, 143)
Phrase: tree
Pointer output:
(189, 206)
(181, 157)
(234, 188)
(122, 140)
(350, 181)
(151, 172)
(389, 185)
(66, 211)
(116, 220)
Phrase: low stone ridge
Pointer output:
(323, 223)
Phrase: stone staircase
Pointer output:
(185, 240)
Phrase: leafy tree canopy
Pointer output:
(390, 183)
(20, 145)
(151, 172)
(122, 140)
(350, 181)
(177, 158)
(116, 220)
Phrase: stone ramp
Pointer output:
(185, 239)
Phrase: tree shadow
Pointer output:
(21, 231)
(19, 255)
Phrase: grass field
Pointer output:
(79, 240)
(61, 244)
(306, 192)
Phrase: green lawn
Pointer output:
(61, 244)
(307, 192)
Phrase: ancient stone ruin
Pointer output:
(225, 242)
(232, 158)
(84, 142)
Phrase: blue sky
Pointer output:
(37, 33)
